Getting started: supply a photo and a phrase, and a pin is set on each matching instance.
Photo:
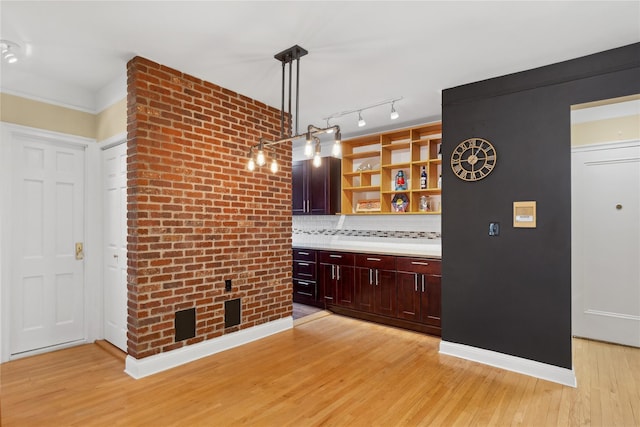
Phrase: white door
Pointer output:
(47, 284)
(606, 243)
(114, 166)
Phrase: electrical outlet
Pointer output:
(227, 285)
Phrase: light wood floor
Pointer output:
(329, 371)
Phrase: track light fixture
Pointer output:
(287, 57)
(8, 51)
(394, 114)
(361, 122)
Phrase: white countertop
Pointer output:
(389, 248)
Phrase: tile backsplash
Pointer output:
(374, 228)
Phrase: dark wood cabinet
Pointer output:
(337, 277)
(375, 287)
(315, 190)
(305, 278)
(394, 290)
(419, 290)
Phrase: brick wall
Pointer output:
(196, 216)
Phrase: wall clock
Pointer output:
(473, 159)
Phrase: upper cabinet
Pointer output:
(383, 173)
(316, 190)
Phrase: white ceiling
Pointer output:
(360, 53)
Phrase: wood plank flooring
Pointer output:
(329, 371)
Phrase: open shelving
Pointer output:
(370, 165)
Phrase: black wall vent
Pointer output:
(185, 324)
(232, 313)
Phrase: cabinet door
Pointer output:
(345, 285)
(385, 292)
(430, 301)
(298, 188)
(327, 283)
(409, 293)
(318, 189)
(364, 289)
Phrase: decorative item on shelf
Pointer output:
(440, 181)
(399, 203)
(368, 205)
(287, 57)
(401, 182)
(424, 204)
(423, 179)
(364, 167)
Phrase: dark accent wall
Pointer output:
(512, 294)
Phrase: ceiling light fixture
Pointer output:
(394, 114)
(361, 122)
(8, 50)
(337, 148)
(287, 57)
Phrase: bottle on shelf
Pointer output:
(423, 179)
(440, 181)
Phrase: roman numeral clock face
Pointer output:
(473, 159)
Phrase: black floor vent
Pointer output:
(185, 324)
(232, 313)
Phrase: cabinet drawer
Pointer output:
(304, 288)
(304, 270)
(304, 255)
(381, 262)
(419, 265)
(337, 258)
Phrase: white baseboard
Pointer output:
(140, 368)
(511, 363)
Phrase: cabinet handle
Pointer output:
(303, 283)
(335, 256)
(419, 263)
(373, 259)
(370, 277)
(415, 281)
(303, 263)
(303, 253)
(333, 271)
(326, 297)
(338, 272)
(377, 282)
(306, 293)
(423, 283)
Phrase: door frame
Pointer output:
(9, 133)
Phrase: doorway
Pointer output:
(605, 222)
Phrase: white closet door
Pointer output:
(47, 286)
(114, 161)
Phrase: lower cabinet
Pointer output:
(336, 278)
(394, 290)
(376, 284)
(419, 290)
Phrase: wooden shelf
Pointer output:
(407, 150)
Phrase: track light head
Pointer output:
(361, 121)
(394, 114)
